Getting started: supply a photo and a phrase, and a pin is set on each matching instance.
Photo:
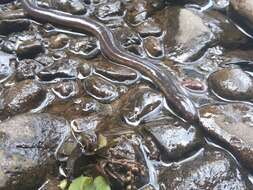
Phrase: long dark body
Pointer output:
(175, 96)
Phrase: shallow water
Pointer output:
(46, 68)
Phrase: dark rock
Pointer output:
(149, 27)
(241, 12)
(153, 46)
(232, 125)
(210, 169)
(173, 139)
(137, 11)
(231, 84)
(101, 89)
(20, 98)
(29, 49)
(11, 26)
(143, 104)
(84, 47)
(28, 143)
(116, 73)
(65, 90)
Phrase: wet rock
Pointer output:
(192, 35)
(11, 26)
(110, 10)
(173, 139)
(210, 169)
(137, 11)
(6, 66)
(20, 98)
(241, 12)
(70, 6)
(65, 69)
(231, 84)
(27, 69)
(66, 90)
(86, 47)
(29, 49)
(13, 14)
(116, 73)
(153, 46)
(101, 89)
(149, 27)
(58, 41)
(193, 84)
(143, 104)
(129, 40)
(28, 143)
(227, 34)
(232, 125)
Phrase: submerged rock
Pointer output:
(210, 169)
(153, 46)
(29, 49)
(187, 35)
(142, 104)
(241, 11)
(101, 89)
(28, 143)
(231, 84)
(173, 139)
(11, 26)
(232, 125)
(20, 98)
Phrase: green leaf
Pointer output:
(101, 184)
(80, 182)
(63, 184)
(87, 183)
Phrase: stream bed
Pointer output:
(67, 110)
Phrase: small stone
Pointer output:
(116, 73)
(143, 104)
(29, 49)
(20, 98)
(241, 11)
(59, 41)
(149, 28)
(101, 89)
(193, 84)
(231, 84)
(110, 10)
(153, 46)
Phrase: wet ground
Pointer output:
(66, 110)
